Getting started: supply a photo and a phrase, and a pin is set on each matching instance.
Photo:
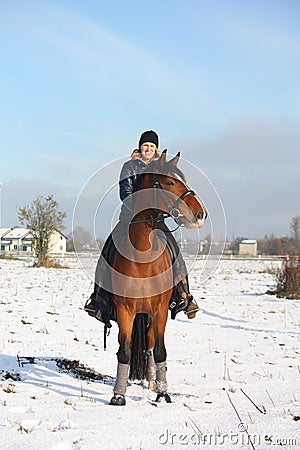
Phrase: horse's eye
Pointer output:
(169, 183)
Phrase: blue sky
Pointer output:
(218, 80)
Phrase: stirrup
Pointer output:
(91, 308)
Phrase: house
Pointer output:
(17, 239)
(58, 243)
(248, 247)
(3, 233)
(21, 240)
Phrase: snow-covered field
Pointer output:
(233, 372)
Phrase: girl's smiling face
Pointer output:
(147, 151)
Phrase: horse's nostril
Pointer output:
(201, 215)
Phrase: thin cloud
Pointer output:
(102, 56)
(70, 134)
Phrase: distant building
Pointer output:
(192, 247)
(20, 240)
(248, 247)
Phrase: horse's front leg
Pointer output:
(125, 323)
(160, 356)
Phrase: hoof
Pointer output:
(164, 396)
(118, 400)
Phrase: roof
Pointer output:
(21, 233)
(248, 241)
(17, 233)
(3, 231)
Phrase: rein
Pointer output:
(152, 220)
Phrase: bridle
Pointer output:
(173, 211)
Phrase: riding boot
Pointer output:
(182, 300)
(191, 308)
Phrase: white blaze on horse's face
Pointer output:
(190, 218)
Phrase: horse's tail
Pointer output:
(139, 347)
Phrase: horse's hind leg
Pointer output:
(151, 371)
(151, 368)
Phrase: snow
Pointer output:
(233, 371)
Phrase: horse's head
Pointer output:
(171, 193)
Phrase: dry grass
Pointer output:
(6, 255)
(49, 263)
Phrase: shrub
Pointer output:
(288, 279)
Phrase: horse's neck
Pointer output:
(144, 245)
(144, 221)
(140, 232)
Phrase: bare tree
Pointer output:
(43, 217)
(295, 230)
(79, 239)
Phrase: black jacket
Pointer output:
(128, 176)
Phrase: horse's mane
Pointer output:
(154, 167)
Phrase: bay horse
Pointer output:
(142, 279)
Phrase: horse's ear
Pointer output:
(162, 158)
(174, 161)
